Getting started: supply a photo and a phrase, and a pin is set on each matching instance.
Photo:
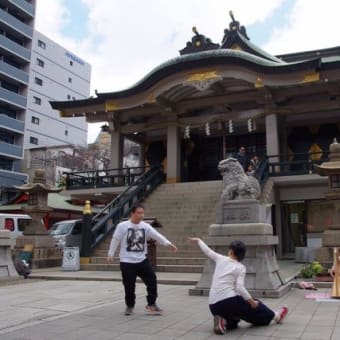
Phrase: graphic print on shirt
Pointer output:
(135, 240)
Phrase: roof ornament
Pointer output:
(198, 43)
(235, 26)
(230, 35)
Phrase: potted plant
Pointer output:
(315, 270)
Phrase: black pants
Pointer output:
(145, 271)
(236, 308)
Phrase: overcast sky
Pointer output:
(125, 39)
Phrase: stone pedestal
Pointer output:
(44, 253)
(7, 268)
(330, 239)
(245, 220)
(36, 227)
(242, 211)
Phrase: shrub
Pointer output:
(311, 269)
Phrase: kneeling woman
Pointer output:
(229, 300)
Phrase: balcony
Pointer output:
(12, 124)
(14, 73)
(10, 178)
(13, 98)
(24, 6)
(11, 150)
(15, 48)
(16, 24)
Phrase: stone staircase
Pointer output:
(183, 209)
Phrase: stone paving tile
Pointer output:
(288, 333)
(316, 332)
(284, 338)
(336, 334)
(95, 311)
(253, 337)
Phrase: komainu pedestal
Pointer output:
(242, 217)
(263, 275)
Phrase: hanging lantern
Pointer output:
(250, 127)
(230, 126)
(207, 129)
(187, 132)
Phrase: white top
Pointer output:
(228, 278)
(133, 241)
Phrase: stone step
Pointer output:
(160, 253)
(159, 268)
(183, 209)
(182, 246)
(160, 260)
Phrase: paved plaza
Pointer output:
(78, 309)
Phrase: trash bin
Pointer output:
(152, 245)
(152, 255)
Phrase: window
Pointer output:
(70, 80)
(9, 224)
(6, 137)
(40, 62)
(66, 132)
(9, 86)
(41, 44)
(6, 164)
(35, 120)
(71, 62)
(8, 111)
(38, 81)
(68, 96)
(34, 140)
(36, 100)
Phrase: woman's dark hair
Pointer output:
(239, 249)
(135, 207)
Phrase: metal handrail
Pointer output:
(121, 206)
(102, 178)
(277, 165)
(303, 164)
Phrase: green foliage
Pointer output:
(311, 269)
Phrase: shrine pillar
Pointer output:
(173, 164)
(117, 149)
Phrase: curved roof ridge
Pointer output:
(258, 51)
(199, 56)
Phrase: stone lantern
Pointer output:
(331, 236)
(35, 234)
(37, 208)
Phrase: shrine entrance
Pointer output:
(200, 154)
(294, 234)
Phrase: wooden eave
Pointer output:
(248, 88)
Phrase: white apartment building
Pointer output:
(55, 74)
(16, 32)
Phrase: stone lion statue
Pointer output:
(237, 185)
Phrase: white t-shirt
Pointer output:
(133, 241)
(228, 277)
